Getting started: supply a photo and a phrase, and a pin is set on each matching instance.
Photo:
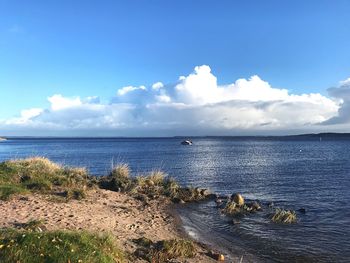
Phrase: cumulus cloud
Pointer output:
(341, 94)
(195, 104)
(157, 85)
(58, 102)
(128, 89)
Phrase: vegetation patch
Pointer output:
(165, 250)
(75, 193)
(8, 190)
(33, 225)
(41, 175)
(58, 246)
(153, 185)
(234, 207)
(284, 216)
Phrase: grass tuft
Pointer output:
(171, 249)
(8, 190)
(118, 180)
(164, 251)
(75, 193)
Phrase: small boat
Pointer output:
(2, 139)
(186, 142)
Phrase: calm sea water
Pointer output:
(292, 174)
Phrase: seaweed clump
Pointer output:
(284, 216)
(237, 206)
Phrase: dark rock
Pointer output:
(205, 192)
(255, 206)
(211, 196)
(216, 256)
(235, 222)
(302, 210)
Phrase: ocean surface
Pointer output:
(293, 174)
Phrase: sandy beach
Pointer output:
(123, 216)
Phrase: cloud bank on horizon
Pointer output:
(194, 105)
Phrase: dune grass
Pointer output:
(284, 216)
(57, 246)
(38, 174)
(152, 185)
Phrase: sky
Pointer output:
(165, 68)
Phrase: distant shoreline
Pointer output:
(326, 136)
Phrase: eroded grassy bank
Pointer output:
(32, 242)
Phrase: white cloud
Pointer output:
(26, 117)
(157, 85)
(196, 104)
(342, 95)
(58, 102)
(125, 90)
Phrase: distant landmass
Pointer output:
(327, 136)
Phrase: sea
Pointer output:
(299, 173)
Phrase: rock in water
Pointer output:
(302, 210)
(256, 206)
(217, 256)
(205, 192)
(238, 199)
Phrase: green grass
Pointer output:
(8, 190)
(58, 246)
(284, 216)
(38, 174)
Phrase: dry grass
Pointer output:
(121, 170)
(284, 216)
(165, 251)
(171, 249)
(118, 180)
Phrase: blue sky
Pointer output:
(93, 48)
